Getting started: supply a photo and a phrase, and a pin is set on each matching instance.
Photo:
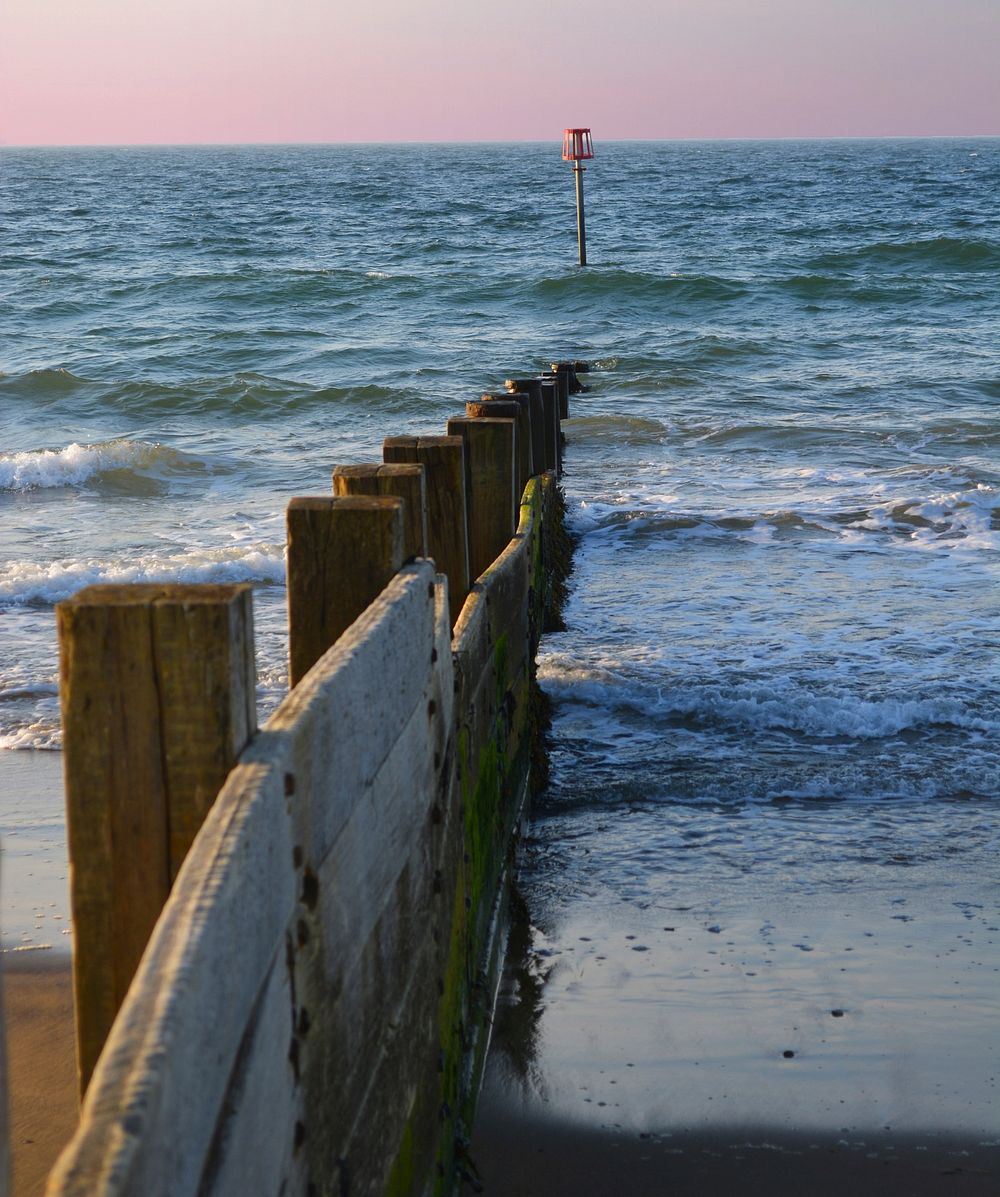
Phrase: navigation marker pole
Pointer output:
(577, 146)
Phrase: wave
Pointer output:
(966, 518)
(44, 383)
(935, 253)
(32, 690)
(789, 708)
(622, 430)
(41, 469)
(243, 394)
(27, 583)
(838, 287)
(637, 285)
(43, 735)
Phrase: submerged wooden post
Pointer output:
(532, 388)
(443, 459)
(158, 700)
(506, 406)
(491, 481)
(342, 553)
(406, 482)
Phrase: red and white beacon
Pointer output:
(578, 145)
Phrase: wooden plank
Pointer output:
(550, 403)
(562, 380)
(532, 387)
(508, 407)
(379, 665)
(206, 678)
(295, 1042)
(153, 1104)
(507, 584)
(256, 1147)
(406, 482)
(443, 459)
(490, 457)
(157, 687)
(342, 553)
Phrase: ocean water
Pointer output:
(782, 643)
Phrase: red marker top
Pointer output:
(577, 144)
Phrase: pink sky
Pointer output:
(134, 71)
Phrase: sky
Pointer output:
(83, 72)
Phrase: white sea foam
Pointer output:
(26, 582)
(778, 705)
(962, 519)
(74, 465)
(41, 735)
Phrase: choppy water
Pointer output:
(783, 478)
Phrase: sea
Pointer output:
(780, 664)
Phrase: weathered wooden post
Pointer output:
(406, 482)
(550, 402)
(443, 459)
(518, 407)
(573, 384)
(158, 701)
(342, 553)
(561, 379)
(540, 436)
(491, 481)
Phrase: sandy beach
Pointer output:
(34, 915)
(38, 1001)
(38, 997)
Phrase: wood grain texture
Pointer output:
(208, 1062)
(443, 459)
(157, 687)
(553, 446)
(206, 678)
(562, 381)
(508, 407)
(532, 387)
(301, 1020)
(491, 480)
(406, 482)
(381, 667)
(342, 553)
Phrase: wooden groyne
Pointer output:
(320, 897)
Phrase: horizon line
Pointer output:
(125, 145)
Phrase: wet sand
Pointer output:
(37, 982)
(778, 1041)
(38, 1001)
(33, 852)
(519, 1157)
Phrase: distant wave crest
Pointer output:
(637, 285)
(938, 253)
(243, 394)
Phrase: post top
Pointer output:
(577, 144)
(139, 594)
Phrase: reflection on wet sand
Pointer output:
(790, 1038)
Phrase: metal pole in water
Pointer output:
(578, 146)
(581, 219)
